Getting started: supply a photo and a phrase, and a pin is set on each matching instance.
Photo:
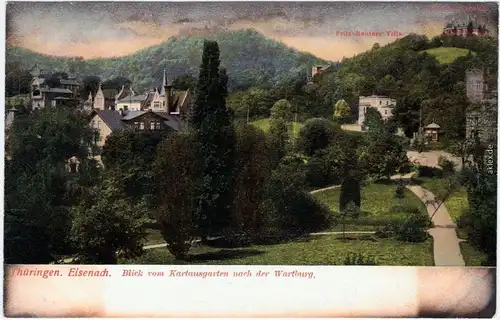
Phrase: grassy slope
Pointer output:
(321, 250)
(378, 205)
(263, 124)
(445, 55)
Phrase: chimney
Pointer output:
(168, 92)
(168, 98)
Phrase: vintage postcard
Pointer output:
(250, 159)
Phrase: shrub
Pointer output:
(447, 166)
(412, 229)
(350, 191)
(316, 135)
(288, 207)
(430, 172)
(352, 210)
(409, 209)
(320, 171)
(400, 192)
(385, 232)
(358, 259)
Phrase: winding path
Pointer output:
(446, 242)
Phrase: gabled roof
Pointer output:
(133, 114)
(136, 98)
(56, 90)
(112, 118)
(172, 121)
(124, 92)
(70, 82)
(149, 98)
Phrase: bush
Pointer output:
(447, 166)
(385, 232)
(400, 192)
(412, 229)
(350, 191)
(352, 211)
(409, 209)
(430, 172)
(316, 135)
(288, 207)
(358, 259)
(320, 172)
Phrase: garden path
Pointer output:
(446, 242)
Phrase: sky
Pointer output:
(329, 30)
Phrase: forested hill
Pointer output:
(249, 57)
(408, 71)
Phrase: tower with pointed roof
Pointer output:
(99, 98)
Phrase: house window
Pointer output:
(93, 124)
(98, 124)
(152, 125)
(163, 103)
(156, 104)
(387, 103)
(158, 125)
(136, 125)
(141, 126)
(385, 111)
(380, 102)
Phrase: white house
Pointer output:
(382, 104)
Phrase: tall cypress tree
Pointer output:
(210, 118)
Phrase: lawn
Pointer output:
(154, 237)
(317, 250)
(263, 124)
(471, 255)
(455, 204)
(446, 55)
(379, 206)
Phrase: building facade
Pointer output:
(462, 29)
(384, 105)
(481, 118)
(63, 92)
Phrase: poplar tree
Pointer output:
(216, 135)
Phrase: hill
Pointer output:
(421, 74)
(445, 55)
(250, 59)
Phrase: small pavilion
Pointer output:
(431, 132)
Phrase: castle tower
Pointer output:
(475, 84)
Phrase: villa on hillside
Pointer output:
(157, 110)
(382, 104)
(462, 29)
(65, 92)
